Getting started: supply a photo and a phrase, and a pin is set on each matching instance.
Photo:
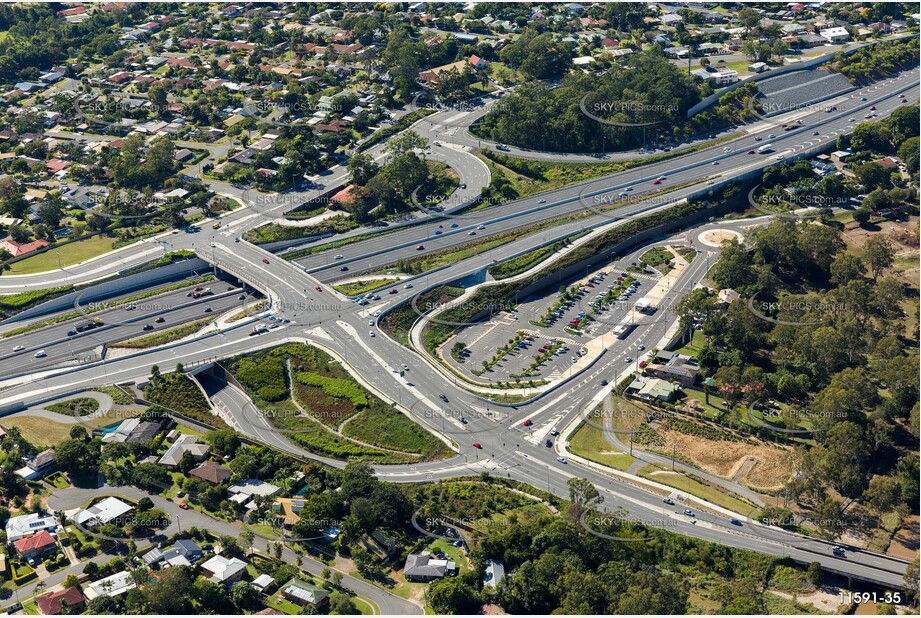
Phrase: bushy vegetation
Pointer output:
(79, 406)
(178, 392)
(329, 395)
(878, 61)
(837, 353)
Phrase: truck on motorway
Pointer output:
(765, 148)
(199, 292)
(82, 328)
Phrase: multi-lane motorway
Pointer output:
(325, 318)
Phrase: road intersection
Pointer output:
(299, 292)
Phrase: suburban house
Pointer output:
(36, 546)
(647, 389)
(425, 568)
(113, 586)
(254, 487)
(289, 509)
(17, 249)
(212, 472)
(40, 465)
(51, 603)
(674, 367)
(27, 525)
(264, 583)
(299, 591)
(837, 34)
(183, 553)
(493, 574)
(102, 512)
(223, 570)
(184, 444)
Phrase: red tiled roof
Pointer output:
(50, 603)
(37, 542)
(16, 249)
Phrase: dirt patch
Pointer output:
(904, 235)
(905, 541)
(826, 598)
(714, 238)
(726, 459)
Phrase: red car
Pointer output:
(656, 182)
(642, 364)
(184, 506)
(751, 152)
(319, 289)
(420, 247)
(393, 291)
(265, 260)
(528, 423)
(477, 445)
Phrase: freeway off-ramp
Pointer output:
(329, 320)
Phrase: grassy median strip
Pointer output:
(354, 288)
(517, 265)
(163, 337)
(96, 307)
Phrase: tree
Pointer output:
(883, 493)
(245, 596)
(910, 581)
(78, 432)
(79, 458)
(582, 492)
(71, 580)
(102, 605)
(405, 142)
(363, 168)
(169, 592)
(814, 573)
(879, 254)
(151, 477)
(357, 480)
(159, 104)
(225, 441)
(341, 605)
(453, 595)
(829, 518)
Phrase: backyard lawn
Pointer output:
(67, 255)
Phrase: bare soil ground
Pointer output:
(726, 459)
(905, 542)
(825, 599)
(904, 235)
